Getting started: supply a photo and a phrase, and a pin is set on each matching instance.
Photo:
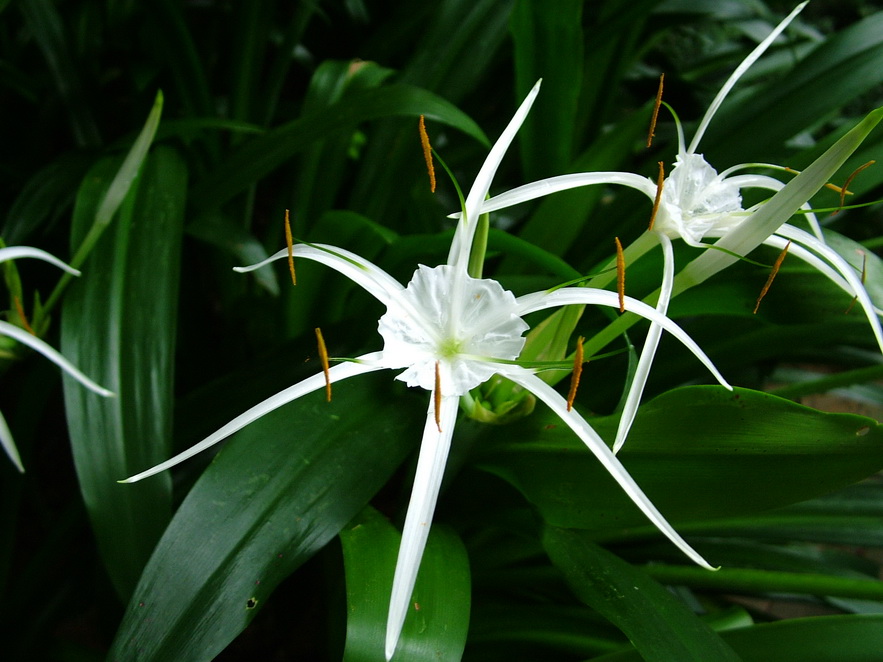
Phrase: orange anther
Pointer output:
(323, 356)
(620, 274)
(845, 190)
(656, 106)
(660, 182)
(577, 372)
(290, 242)
(769, 281)
(427, 154)
(21, 315)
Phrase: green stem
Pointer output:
(767, 581)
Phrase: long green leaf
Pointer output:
(435, 628)
(279, 490)
(658, 624)
(119, 326)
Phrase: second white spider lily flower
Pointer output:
(447, 332)
(32, 341)
(698, 203)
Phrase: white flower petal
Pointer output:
(16, 252)
(9, 445)
(462, 243)
(360, 366)
(53, 355)
(551, 185)
(567, 296)
(595, 444)
(427, 482)
(651, 343)
(359, 270)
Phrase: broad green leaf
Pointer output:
(819, 639)
(261, 156)
(119, 327)
(697, 452)
(278, 491)
(435, 627)
(659, 625)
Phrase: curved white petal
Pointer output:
(737, 74)
(595, 444)
(16, 252)
(773, 184)
(53, 355)
(359, 270)
(845, 269)
(9, 445)
(427, 482)
(567, 296)
(361, 365)
(551, 185)
(651, 343)
(462, 243)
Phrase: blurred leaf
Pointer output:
(435, 629)
(658, 624)
(820, 639)
(697, 452)
(278, 491)
(119, 327)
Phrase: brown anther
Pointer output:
(21, 315)
(437, 396)
(577, 372)
(655, 115)
(769, 281)
(660, 182)
(620, 274)
(323, 356)
(290, 242)
(864, 275)
(845, 189)
(427, 154)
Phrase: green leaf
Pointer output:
(819, 639)
(697, 452)
(278, 491)
(658, 624)
(119, 327)
(435, 627)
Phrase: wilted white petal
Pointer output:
(595, 444)
(53, 355)
(16, 252)
(424, 494)
(567, 296)
(364, 364)
(651, 343)
(9, 445)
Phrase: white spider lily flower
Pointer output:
(32, 341)
(447, 333)
(697, 203)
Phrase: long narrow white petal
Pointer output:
(737, 74)
(567, 296)
(359, 270)
(552, 185)
(53, 355)
(846, 270)
(595, 444)
(427, 482)
(462, 243)
(9, 445)
(362, 365)
(651, 343)
(772, 184)
(16, 252)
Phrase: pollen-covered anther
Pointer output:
(427, 153)
(437, 396)
(578, 360)
(21, 315)
(769, 281)
(660, 183)
(844, 191)
(620, 274)
(290, 243)
(656, 105)
(323, 357)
